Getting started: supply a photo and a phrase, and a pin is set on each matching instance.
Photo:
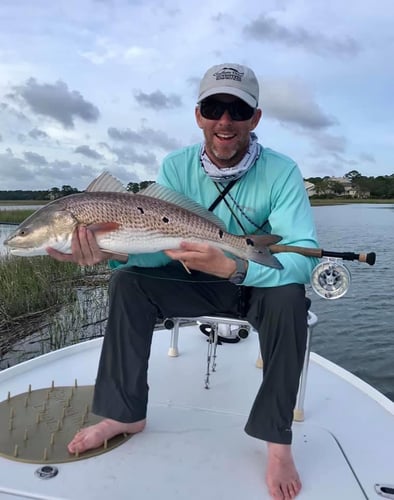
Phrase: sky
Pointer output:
(94, 85)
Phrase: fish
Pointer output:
(154, 219)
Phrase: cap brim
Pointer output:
(232, 91)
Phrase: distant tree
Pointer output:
(54, 193)
(362, 185)
(322, 187)
(336, 187)
(314, 180)
(66, 190)
(133, 187)
(383, 187)
(145, 184)
(353, 174)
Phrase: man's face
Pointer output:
(226, 139)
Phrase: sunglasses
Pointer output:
(239, 111)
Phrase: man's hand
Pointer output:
(205, 258)
(85, 250)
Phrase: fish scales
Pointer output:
(150, 216)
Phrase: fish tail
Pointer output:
(258, 249)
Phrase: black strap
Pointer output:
(222, 194)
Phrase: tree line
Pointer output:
(381, 187)
(56, 192)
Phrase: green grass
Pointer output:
(7, 203)
(30, 284)
(14, 216)
(34, 290)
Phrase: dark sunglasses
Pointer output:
(212, 109)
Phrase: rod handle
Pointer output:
(305, 251)
(369, 258)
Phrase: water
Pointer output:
(357, 330)
(5, 230)
(20, 207)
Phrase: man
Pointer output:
(265, 193)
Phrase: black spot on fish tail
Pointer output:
(258, 250)
(164, 219)
(221, 233)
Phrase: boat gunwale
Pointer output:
(355, 381)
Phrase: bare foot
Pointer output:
(95, 435)
(282, 477)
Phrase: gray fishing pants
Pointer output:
(138, 297)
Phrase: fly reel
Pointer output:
(330, 279)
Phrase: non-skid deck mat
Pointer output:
(36, 426)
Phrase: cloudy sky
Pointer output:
(93, 85)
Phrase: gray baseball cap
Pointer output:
(233, 79)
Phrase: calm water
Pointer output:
(20, 207)
(357, 330)
(5, 229)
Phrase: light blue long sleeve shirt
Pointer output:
(271, 192)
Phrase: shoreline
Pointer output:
(367, 201)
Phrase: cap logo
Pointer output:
(229, 74)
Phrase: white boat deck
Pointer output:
(194, 446)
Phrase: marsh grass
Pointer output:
(49, 304)
(14, 216)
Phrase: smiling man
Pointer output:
(254, 190)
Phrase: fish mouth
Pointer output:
(25, 252)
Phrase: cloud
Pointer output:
(33, 171)
(12, 111)
(291, 102)
(267, 29)
(344, 161)
(36, 133)
(12, 167)
(161, 139)
(367, 157)
(35, 158)
(107, 50)
(146, 136)
(88, 152)
(330, 143)
(126, 135)
(130, 156)
(157, 100)
(57, 102)
(64, 172)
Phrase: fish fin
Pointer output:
(106, 182)
(103, 227)
(167, 194)
(264, 239)
(258, 249)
